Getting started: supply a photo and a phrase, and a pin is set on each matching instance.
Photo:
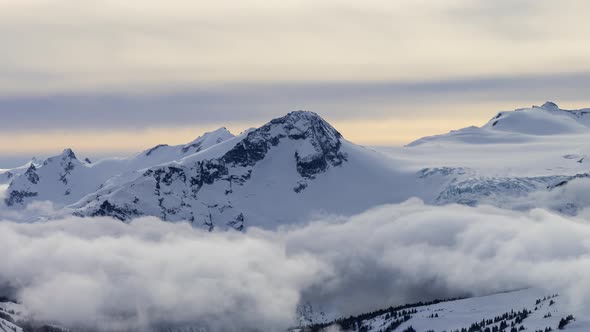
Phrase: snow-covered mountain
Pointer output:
(523, 310)
(519, 125)
(64, 179)
(165, 153)
(6, 175)
(298, 165)
(278, 173)
(522, 159)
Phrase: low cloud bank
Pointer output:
(113, 276)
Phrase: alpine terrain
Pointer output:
(299, 165)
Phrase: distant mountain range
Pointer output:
(299, 165)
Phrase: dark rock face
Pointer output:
(207, 172)
(70, 154)
(309, 167)
(564, 181)
(550, 106)
(150, 151)
(18, 197)
(196, 146)
(299, 125)
(31, 174)
(440, 171)
(68, 162)
(324, 139)
(238, 223)
(66, 156)
(166, 175)
(68, 167)
(110, 210)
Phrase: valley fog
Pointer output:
(101, 273)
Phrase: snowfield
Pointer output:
(525, 310)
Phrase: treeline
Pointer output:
(391, 312)
(508, 321)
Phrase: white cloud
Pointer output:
(3, 188)
(111, 274)
(115, 275)
(31, 212)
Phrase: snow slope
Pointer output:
(547, 119)
(533, 309)
(10, 314)
(63, 179)
(515, 161)
(6, 175)
(16, 318)
(520, 125)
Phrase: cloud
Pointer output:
(571, 198)
(117, 276)
(3, 188)
(259, 101)
(120, 67)
(141, 45)
(104, 273)
(31, 212)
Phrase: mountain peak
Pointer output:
(547, 119)
(217, 133)
(303, 115)
(69, 154)
(551, 106)
(66, 156)
(220, 130)
(299, 124)
(318, 143)
(208, 139)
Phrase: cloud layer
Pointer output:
(61, 45)
(106, 274)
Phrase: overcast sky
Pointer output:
(111, 77)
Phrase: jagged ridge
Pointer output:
(175, 189)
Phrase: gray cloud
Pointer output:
(260, 102)
(115, 276)
(63, 46)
